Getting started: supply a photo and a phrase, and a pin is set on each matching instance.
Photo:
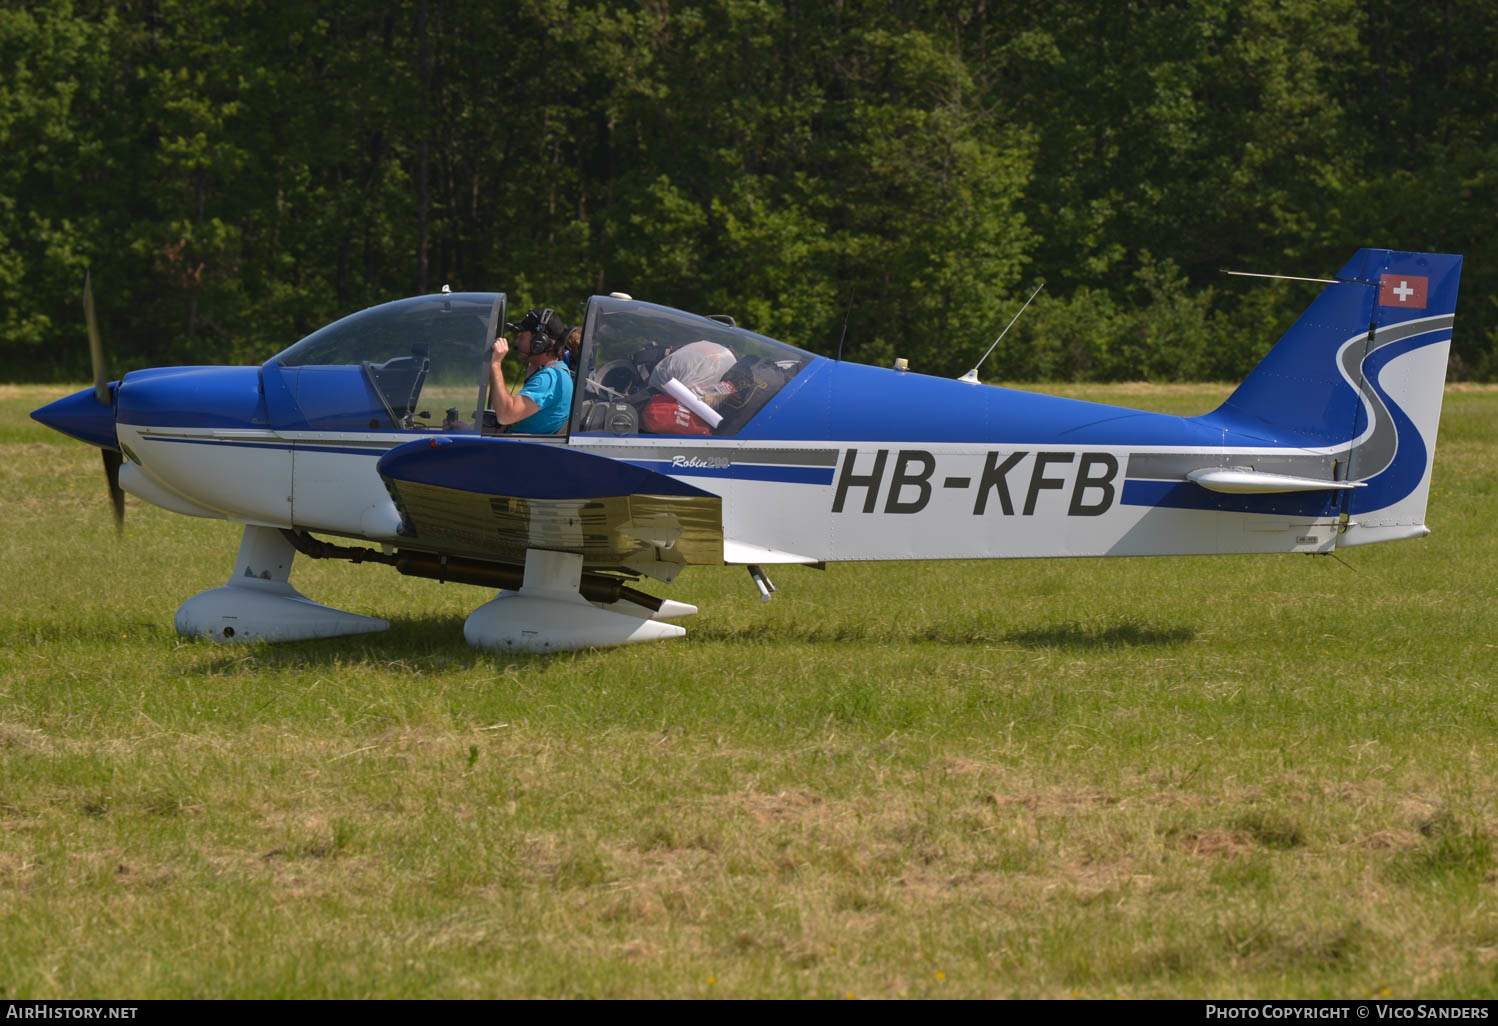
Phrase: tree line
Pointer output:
(894, 176)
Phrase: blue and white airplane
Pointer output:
(375, 428)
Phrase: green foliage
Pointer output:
(1161, 332)
(54, 171)
(236, 173)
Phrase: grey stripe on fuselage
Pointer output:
(1174, 466)
(1361, 462)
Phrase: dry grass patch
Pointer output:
(29, 739)
(797, 806)
(39, 394)
(1387, 840)
(1210, 843)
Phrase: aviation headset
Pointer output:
(546, 325)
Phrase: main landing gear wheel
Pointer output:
(548, 614)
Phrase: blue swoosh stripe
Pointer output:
(1402, 476)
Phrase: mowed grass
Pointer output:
(1227, 776)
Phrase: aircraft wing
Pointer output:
(494, 498)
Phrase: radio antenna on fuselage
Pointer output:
(844, 336)
(971, 377)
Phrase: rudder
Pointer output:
(1361, 374)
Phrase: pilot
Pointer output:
(542, 405)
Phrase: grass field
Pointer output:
(1226, 776)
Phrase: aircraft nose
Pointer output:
(82, 416)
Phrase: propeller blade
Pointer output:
(112, 457)
(112, 461)
(95, 345)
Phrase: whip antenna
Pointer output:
(971, 377)
(843, 338)
(1282, 277)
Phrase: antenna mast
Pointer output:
(971, 377)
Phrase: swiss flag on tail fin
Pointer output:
(1407, 290)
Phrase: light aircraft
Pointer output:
(375, 428)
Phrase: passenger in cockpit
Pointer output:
(541, 407)
(572, 349)
(699, 368)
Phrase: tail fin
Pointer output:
(1361, 374)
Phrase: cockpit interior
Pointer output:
(648, 369)
(421, 364)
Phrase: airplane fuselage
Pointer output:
(1022, 492)
(803, 459)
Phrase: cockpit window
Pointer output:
(421, 364)
(653, 370)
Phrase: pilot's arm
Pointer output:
(507, 408)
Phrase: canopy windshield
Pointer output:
(420, 358)
(631, 350)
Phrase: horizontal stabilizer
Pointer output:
(1247, 481)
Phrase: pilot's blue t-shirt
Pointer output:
(550, 388)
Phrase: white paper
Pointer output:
(682, 394)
